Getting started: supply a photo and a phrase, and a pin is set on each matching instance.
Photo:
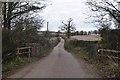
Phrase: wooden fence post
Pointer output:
(17, 53)
(24, 48)
(29, 52)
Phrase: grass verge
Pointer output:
(22, 62)
(13, 66)
(104, 67)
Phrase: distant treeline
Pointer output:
(85, 32)
(110, 37)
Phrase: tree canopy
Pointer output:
(12, 10)
(107, 12)
(68, 26)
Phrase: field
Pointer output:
(87, 37)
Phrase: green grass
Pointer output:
(79, 51)
(105, 67)
(17, 63)
(23, 61)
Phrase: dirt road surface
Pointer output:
(59, 64)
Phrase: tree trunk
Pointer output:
(68, 34)
(4, 15)
(7, 12)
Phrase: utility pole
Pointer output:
(47, 32)
(47, 26)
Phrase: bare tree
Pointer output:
(69, 26)
(12, 10)
(106, 11)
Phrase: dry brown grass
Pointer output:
(87, 37)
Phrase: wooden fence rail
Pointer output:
(106, 50)
(24, 48)
(112, 54)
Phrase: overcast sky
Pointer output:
(61, 10)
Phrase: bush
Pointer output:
(110, 39)
(87, 50)
(20, 37)
(90, 46)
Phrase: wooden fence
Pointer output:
(20, 51)
(110, 54)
